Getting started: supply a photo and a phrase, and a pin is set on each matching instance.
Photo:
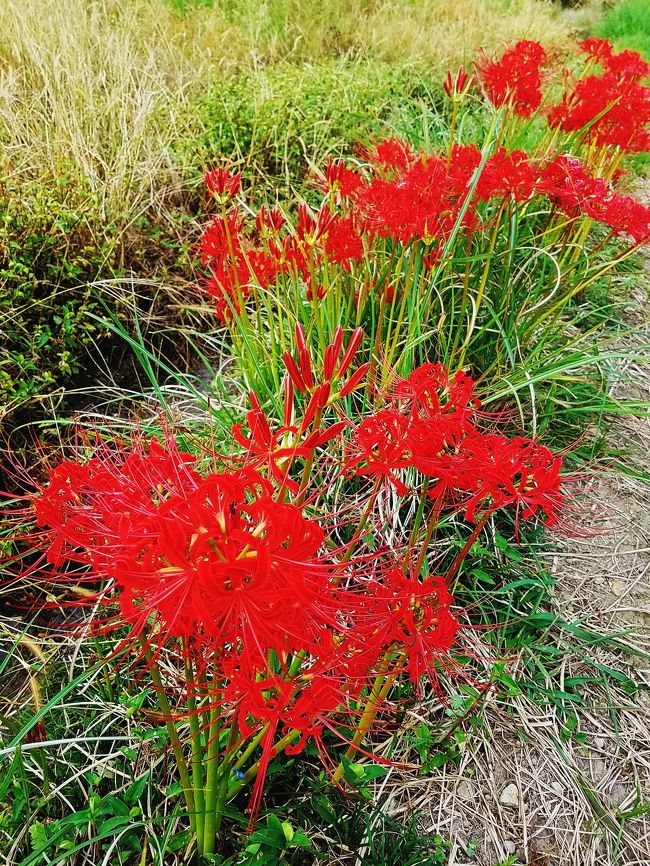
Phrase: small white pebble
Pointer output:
(510, 796)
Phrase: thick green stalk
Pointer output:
(197, 754)
(225, 768)
(211, 784)
(381, 687)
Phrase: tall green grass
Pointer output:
(627, 24)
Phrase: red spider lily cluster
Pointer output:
(516, 78)
(429, 427)
(613, 108)
(287, 617)
(405, 197)
(395, 195)
(609, 109)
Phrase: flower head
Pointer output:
(515, 78)
(222, 183)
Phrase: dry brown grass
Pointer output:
(102, 89)
(442, 33)
(98, 88)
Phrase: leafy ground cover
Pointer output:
(306, 587)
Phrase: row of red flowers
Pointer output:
(403, 196)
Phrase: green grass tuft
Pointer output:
(628, 25)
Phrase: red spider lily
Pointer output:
(432, 390)
(309, 228)
(515, 472)
(222, 238)
(233, 564)
(487, 472)
(414, 205)
(598, 49)
(340, 179)
(90, 508)
(269, 221)
(457, 87)
(301, 373)
(333, 351)
(300, 706)
(628, 65)
(315, 291)
(464, 161)
(342, 244)
(229, 291)
(572, 188)
(277, 451)
(628, 216)
(379, 447)
(612, 108)
(391, 154)
(413, 616)
(355, 380)
(515, 78)
(208, 556)
(350, 352)
(223, 184)
(610, 111)
(508, 174)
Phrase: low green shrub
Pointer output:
(49, 244)
(55, 244)
(279, 119)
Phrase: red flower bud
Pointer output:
(354, 380)
(351, 351)
(293, 372)
(223, 184)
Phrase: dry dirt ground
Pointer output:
(520, 794)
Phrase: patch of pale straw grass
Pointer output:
(442, 33)
(102, 90)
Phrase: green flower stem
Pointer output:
(376, 346)
(197, 754)
(381, 687)
(433, 522)
(304, 481)
(464, 296)
(211, 784)
(225, 767)
(412, 267)
(482, 286)
(250, 748)
(418, 516)
(175, 740)
(458, 561)
(250, 774)
(363, 520)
